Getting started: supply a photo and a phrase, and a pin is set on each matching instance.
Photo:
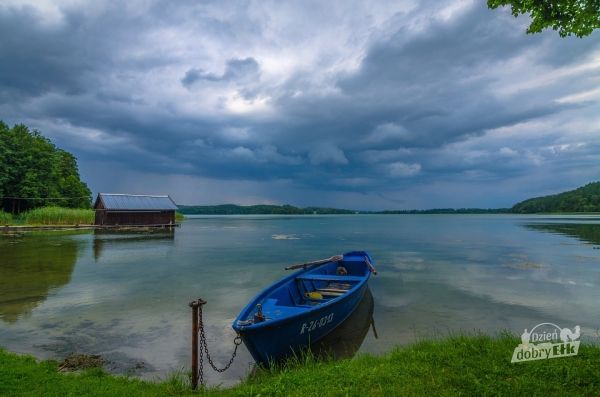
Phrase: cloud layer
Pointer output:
(355, 104)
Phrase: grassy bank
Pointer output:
(58, 216)
(55, 216)
(49, 216)
(6, 218)
(468, 366)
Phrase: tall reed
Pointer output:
(5, 218)
(58, 216)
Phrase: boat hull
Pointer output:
(290, 337)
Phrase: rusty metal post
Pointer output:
(194, 305)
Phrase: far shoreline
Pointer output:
(424, 212)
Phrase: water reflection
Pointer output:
(588, 233)
(107, 239)
(346, 339)
(30, 268)
(126, 298)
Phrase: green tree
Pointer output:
(578, 17)
(34, 172)
(69, 183)
(583, 199)
(4, 153)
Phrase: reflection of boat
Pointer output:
(304, 307)
(346, 339)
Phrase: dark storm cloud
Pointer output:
(429, 100)
(236, 69)
(37, 59)
(427, 90)
(426, 84)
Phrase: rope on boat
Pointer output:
(198, 359)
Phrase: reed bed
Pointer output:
(6, 218)
(57, 216)
(50, 216)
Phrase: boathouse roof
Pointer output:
(134, 202)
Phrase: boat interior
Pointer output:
(314, 287)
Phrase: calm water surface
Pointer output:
(125, 295)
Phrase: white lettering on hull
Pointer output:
(314, 324)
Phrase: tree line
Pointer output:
(260, 209)
(34, 172)
(583, 199)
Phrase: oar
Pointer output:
(334, 258)
(371, 267)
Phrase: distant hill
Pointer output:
(583, 199)
(232, 209)
(449, 211)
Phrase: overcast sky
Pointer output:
(362, 105)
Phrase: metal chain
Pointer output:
(237, 341)
(201, 355)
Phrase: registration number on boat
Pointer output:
(312, 325)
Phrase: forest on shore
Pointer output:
(36, 173)
(585, 199)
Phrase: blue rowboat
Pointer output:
(302, 308)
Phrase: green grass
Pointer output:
(57, 216)
(459, 365)
(6, 218)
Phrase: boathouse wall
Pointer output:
(134, 210)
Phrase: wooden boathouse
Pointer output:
(134, 210)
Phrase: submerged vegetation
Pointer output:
(459, 365)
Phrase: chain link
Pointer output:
(237, 341)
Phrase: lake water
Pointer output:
(125, 295)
